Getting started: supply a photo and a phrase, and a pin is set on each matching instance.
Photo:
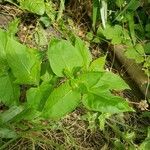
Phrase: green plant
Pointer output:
(84, 81)
(41, 87)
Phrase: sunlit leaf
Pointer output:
(62, 100)
(63, 56)
(24, 62)
(105, 102)
(113, 81)
(34, 6)
(97, 79)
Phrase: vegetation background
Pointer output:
(74, 74)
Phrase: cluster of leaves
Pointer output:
(126, 24)
(69, 62)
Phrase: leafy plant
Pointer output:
(24, 63)
(93, 84)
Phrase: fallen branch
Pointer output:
(134, 70)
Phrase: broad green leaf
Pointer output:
(10, 114)
(106, 80)
(9, 91)
(105, 103)
(36, 97)
(3, 61)
(139, 48)
(84, 51)
(24, 62)
(98, 64)
(63, 56)
(34, 6)
(116, 34)
(62, 100)
(113, 81)
(98, 96)
(7, 133)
